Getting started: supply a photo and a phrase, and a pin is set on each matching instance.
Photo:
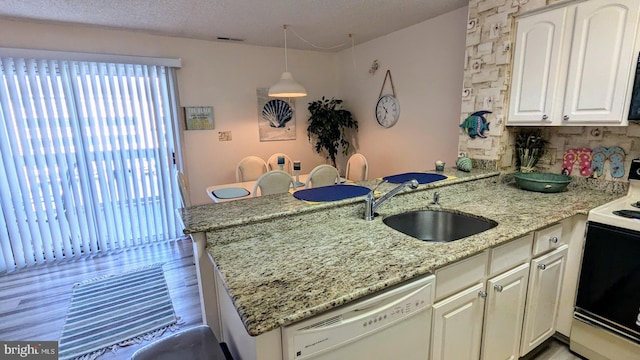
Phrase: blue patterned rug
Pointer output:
(114, 311)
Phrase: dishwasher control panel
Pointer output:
(348, 324)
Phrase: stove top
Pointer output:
(623, 212)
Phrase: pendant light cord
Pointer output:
(310, 44)
(286, 65)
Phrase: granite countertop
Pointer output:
(296, 263)
(220, 215)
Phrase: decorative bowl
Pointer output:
(542, 182)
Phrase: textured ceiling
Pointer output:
(324, 23)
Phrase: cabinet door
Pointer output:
(504, 313)
(543, 297)
(601, 60)
(538, 46)
(457, 325)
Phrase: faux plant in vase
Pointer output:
(329, 125)
(529, 146)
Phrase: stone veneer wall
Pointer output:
(487, 71)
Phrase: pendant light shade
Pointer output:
(287, 86)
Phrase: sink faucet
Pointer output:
(436, 198)
(371, 204)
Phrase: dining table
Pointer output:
(243, 190)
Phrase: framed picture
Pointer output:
(276, 117)
(199, 117)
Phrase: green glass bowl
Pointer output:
(542, 182)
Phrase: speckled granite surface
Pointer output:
(296, 263)
(219, 215)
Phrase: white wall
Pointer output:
(426, 62)
(213, 73)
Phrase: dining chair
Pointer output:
(250, 168)
(273, 182)
(183, 189)
(357, 168)
(322, 175)
(272, 163)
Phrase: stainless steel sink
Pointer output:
(438, 225)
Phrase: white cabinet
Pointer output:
(573, 65)
(543, 297)
(536, 67)
(504, 311)
(476, 318)
(457, 325)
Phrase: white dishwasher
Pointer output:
(394, 324)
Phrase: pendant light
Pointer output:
(287, 87)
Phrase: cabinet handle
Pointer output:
(565, 118)
(542, 266)
(498, 287)
(482, 294)
(545, 117)
(554, 239)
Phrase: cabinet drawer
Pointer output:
(511, 254)
(456, 277)
(547, 239)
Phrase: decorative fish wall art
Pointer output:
(476, 124)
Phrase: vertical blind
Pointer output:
(86, 158)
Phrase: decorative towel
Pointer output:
(230, 193)
(331, 193)
(423, 178)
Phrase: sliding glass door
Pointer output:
(86, 158)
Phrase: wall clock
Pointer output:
(388, 106)
(387, 111)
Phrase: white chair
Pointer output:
(357, 168)
(272, 163)
(322, 175)
(183, 188)
(250, 168)
(273, 182)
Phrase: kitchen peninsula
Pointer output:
(281, 260)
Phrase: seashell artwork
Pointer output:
(463, 164)
(277, 112)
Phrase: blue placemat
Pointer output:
(331, 193)
(230, 193)
(423, 178)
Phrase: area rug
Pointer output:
(118, 310)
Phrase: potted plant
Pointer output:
(329, 125)
(529, 147)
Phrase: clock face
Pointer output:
(387, 110)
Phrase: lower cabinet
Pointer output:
(543, 297)
(504, 309)
(457, 325)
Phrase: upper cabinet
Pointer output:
(573, 65)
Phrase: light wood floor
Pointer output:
(34, 301)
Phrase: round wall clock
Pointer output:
(387, 110)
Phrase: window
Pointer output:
(86, 158)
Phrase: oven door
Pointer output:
(609, 287)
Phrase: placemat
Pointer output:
(331, 193)
(230, 192)
(423, 178)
